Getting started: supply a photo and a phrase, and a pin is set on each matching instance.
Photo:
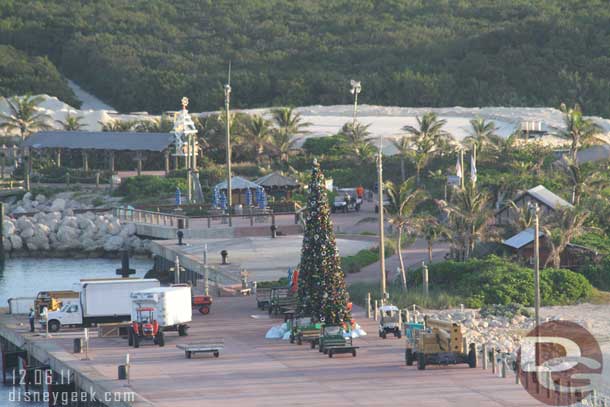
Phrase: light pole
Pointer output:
(227, 89)
(536, 210)
(381, 231)
(356, 89)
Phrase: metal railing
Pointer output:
(151, 218)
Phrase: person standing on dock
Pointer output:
(32, 318)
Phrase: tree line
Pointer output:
(146, 54)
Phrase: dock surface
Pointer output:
(254, 371)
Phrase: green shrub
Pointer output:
(494, 280)
(598, 274)
(353, 264)
(147, 186)
(282, 282)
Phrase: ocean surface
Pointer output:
(25, 277)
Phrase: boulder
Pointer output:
(24, 223)
(9, 227)
(113, 243)
(27, 233)
(114, 227)
(58, 204)
(85, 223)
(69, 221)
(6, 244)
(16, 242)
(41, 198)
(67, 234)
(19, 209)
(27, 196)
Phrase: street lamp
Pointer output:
(356, 89)
(227, 89)
(536, 211)
(381, 231)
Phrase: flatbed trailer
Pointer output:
(212, 345)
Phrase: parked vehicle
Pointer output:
(54, 300)
(346, 200)
(100, 301)
(155, 311)
(390, 321)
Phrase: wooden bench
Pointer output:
(263, 297)
(213, 346)
(282, 304)
(311, 335)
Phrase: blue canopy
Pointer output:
(223, 201)
(178, 197)
(215, 197)
(248, 197)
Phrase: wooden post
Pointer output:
(549, 384)
(85, 161)
(58, 157)
(194, 151)
(3, 154)
(67, 178)
(493, 360)
(139, 159)
(425, 277)
(485, 356)
(518, 373)
(166, 154)
(97, 180)
(376, 310)
(368, 305)
(503, 368)
(2, 236)
(111, 161)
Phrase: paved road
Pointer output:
(253, 371)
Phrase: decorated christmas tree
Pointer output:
(322, 291)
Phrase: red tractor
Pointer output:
(145, 327)
(203, 303)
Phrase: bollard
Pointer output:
(78, 345)
(376, 311)
(425, 277)
(122, 372)
(517, 372)
(503, 368)
(485, 356)
(493, 360)
(465, 345)
(368, 305)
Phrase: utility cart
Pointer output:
(211, 345)
(332, 341)
(390, 321)
(440, 343)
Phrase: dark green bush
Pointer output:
(598, 274)
(494, 280)
(149, 186)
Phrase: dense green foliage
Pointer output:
(598, 274)
(147, 186)
(436, 299)
(494, 280)
(21, 74)
(146, 54)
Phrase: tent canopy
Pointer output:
(277, 180)
(237, 183)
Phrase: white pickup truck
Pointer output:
(100, 301)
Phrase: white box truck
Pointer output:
(100, 301)
(158, 310)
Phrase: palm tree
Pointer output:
(431, 230)
(24, 116)
(403, 199)
(258, 135)
(562, 227)
(119, 125)
(289, 124)
(71, 123)
(163, 124)
(358, 136)
(469, 213)
(482, 135)
(403, 145)
(427, 138)
(578, 129)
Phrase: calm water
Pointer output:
(26, 277)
